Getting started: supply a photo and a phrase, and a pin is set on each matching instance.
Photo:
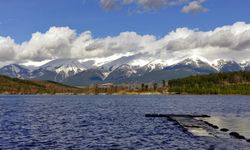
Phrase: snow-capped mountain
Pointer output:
(86, 77)
(246, 65)
(150, 67)
(109, 67)
(126, 60)
(227, 65)
(155, 65)
(67, 67)
(126, 63)
(58, 70)
(193, 63)
(122, 72)
(124, 69)
(15, 70)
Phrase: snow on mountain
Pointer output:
(223, 65)
(155, 65)
(122, 72)
(86, 77)
(195, 63)
(121, 69)
(15, 70)
(67, 67)
(134, 62)
(246, 65)
(58, 70)
(126, 60)
(196, 60)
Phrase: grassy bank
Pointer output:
(17, 86)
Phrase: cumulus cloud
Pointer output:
(7, 49)
(229, 42)
(86, 47)
(194, 7)
(235, 37)
(55, 43)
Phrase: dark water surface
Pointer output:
(112, 122)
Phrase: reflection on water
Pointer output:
(240, 125)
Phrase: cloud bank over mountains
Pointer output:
(189, 6)
(228, 42)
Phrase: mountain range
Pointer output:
(124, 70)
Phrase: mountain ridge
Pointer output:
(122, 70)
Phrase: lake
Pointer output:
(112, 122)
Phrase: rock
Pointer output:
(215, 127)
(236, 135)
(224, 130)
(211, 125)
(193, 126)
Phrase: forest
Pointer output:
(221, 83)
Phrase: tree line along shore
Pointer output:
(237, 83)
(222, 83)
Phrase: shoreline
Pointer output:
(117, 94)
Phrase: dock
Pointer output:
(198, 126)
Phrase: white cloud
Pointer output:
(228, 42)
(194, 7)
(142, 4)
(87, 47)
(110, 4)
(55, 43)
(153, 4)
(235, 37)
(7, 49)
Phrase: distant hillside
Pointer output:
(10, 85)
(222, 83)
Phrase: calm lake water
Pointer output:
(112, 122)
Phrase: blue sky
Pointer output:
(20, 18)
(42, 30)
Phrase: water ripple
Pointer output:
(110, 122)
